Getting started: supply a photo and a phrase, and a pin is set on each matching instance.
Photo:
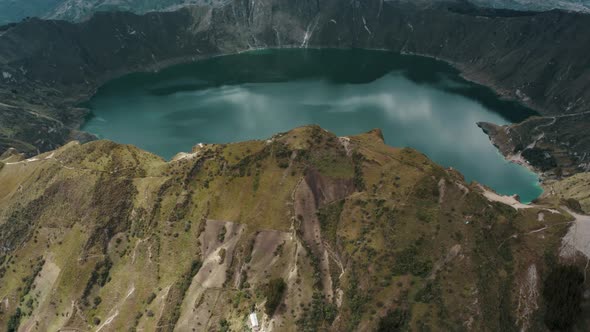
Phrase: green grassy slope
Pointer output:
(107, 237)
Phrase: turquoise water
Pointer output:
(417, 102)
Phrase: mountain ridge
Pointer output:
(80, 10)
(48, 79)
(305, 230)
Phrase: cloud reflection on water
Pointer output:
(438, 123)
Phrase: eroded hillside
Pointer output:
(307, 230)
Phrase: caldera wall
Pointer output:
(48, 67)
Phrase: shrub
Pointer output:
(221, 235)
(223, 325)
(151, 298)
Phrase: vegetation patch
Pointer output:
(221, 235)
(151, 298)
(319, 316)
(356, 299)
(332, 163)
(14, 321)
(282, 154)
(429, 293)
(28, 281)
(359, 180)
(540, 158)
(408, 262)
(177, 295)
(573, 205)
(224, 325)
(396, 320)
(329, 216)
(562, 292)
(274, 292)
(99, 277)
(427, 189)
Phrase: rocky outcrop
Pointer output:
(48, 67)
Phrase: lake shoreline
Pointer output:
(374, 67)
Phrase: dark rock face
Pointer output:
(50, 66)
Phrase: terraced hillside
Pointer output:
(310, 231)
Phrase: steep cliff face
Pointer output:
(78, 10)
(355, 231)
(49, 66)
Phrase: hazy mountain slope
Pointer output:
(107, 237)
(76, 10)
(16, 10)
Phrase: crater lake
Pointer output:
(418, 102)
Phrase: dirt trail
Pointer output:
(115, 310)
(508, 200)
(108, 321)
